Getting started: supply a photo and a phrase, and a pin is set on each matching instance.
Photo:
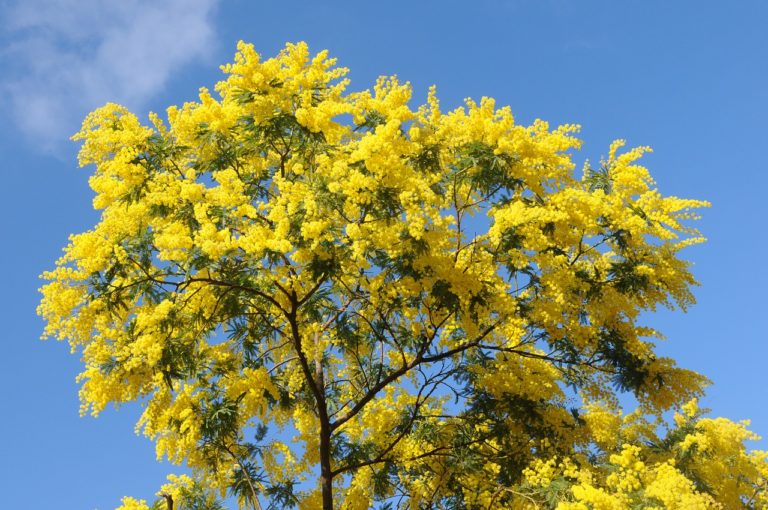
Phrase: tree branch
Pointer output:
(418, 360)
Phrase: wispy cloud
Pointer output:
(62, 58)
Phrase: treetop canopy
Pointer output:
(332, 299)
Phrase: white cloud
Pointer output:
(63, 58)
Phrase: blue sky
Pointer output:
(689, 78)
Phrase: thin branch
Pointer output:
(234, 286)
(292, 358)
(419, 359)
(256, 503)
(420, 401)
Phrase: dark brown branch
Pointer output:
(251, 290)
(418, 360)
(311, 292)
(527, 354)
(168, 500)
(420, 401)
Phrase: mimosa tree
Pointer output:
(334, 300)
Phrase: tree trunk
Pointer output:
(326, 476)
(316, 383)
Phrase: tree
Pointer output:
(331, 300)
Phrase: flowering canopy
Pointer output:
(333, 300)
